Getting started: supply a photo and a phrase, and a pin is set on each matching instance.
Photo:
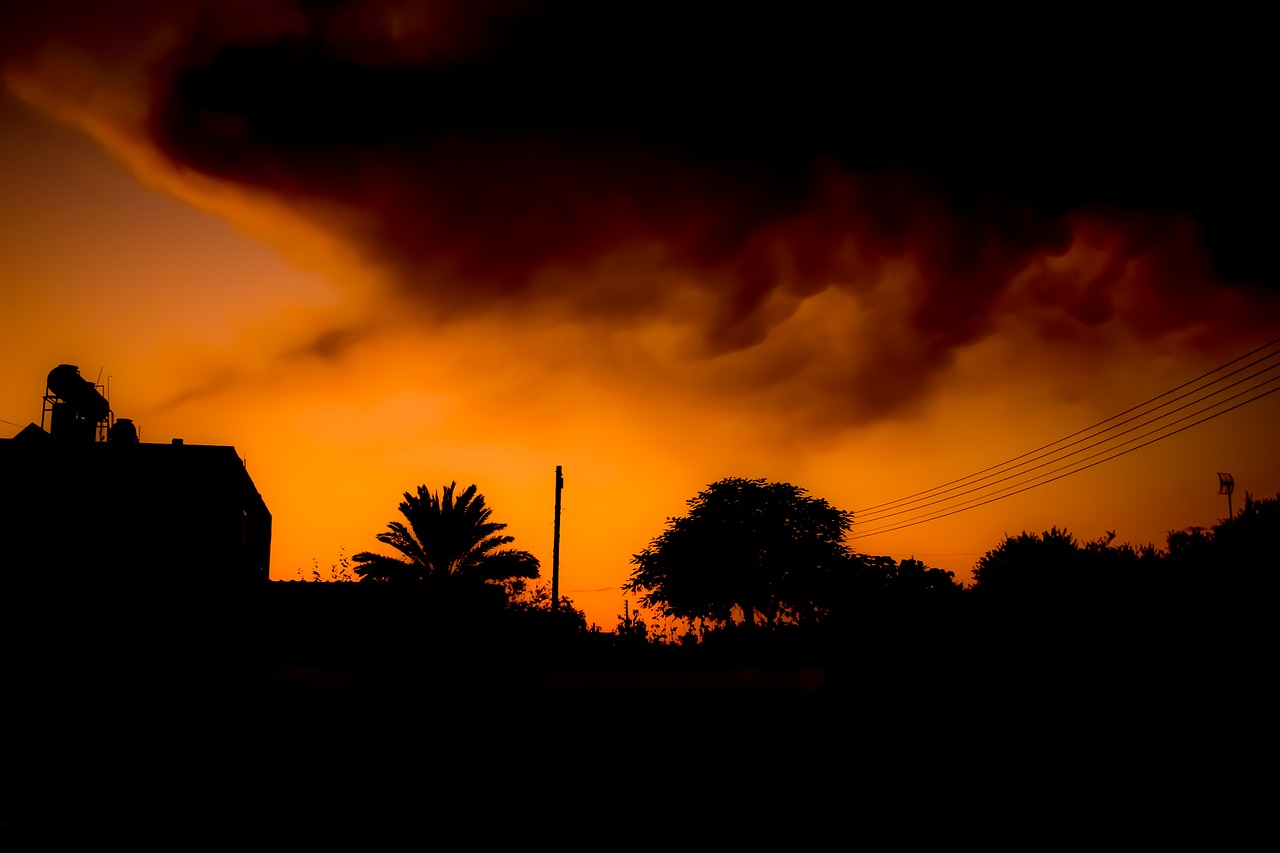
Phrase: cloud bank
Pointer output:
(816, 208)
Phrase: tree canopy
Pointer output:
(767, 548)
(1236, 553)
(446, 536)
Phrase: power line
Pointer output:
(1016, 491)
(1059, 455)
(998, 468)
(982, 495)
(979, 503)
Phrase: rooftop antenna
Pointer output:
(105, 427)
(1227, 485)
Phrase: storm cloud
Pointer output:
(717, 169)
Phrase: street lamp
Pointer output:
(1226, 485)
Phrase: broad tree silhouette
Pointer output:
(447, 538)
(767, 548)
(1028, 567)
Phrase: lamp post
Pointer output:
(1226, 485)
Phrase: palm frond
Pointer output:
(491, 543)
(505, 564)
(399, 537)
(377, 567)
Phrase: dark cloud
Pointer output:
(1076, 106)
(768, 154)
(330, 344)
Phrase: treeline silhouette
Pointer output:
(1047, 582)
(1136, 665)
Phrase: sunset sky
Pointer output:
(379, 244)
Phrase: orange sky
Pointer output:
(484, 302)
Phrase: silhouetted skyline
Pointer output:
(379, 245)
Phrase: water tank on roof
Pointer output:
(69, 386)
(123, 431)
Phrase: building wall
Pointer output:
(113, 513)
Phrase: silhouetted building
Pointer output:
(88, 502)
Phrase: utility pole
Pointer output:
(1227, 485)
(555, 548)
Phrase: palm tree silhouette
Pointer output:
(446, 538)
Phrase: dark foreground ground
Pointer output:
(177, 731)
